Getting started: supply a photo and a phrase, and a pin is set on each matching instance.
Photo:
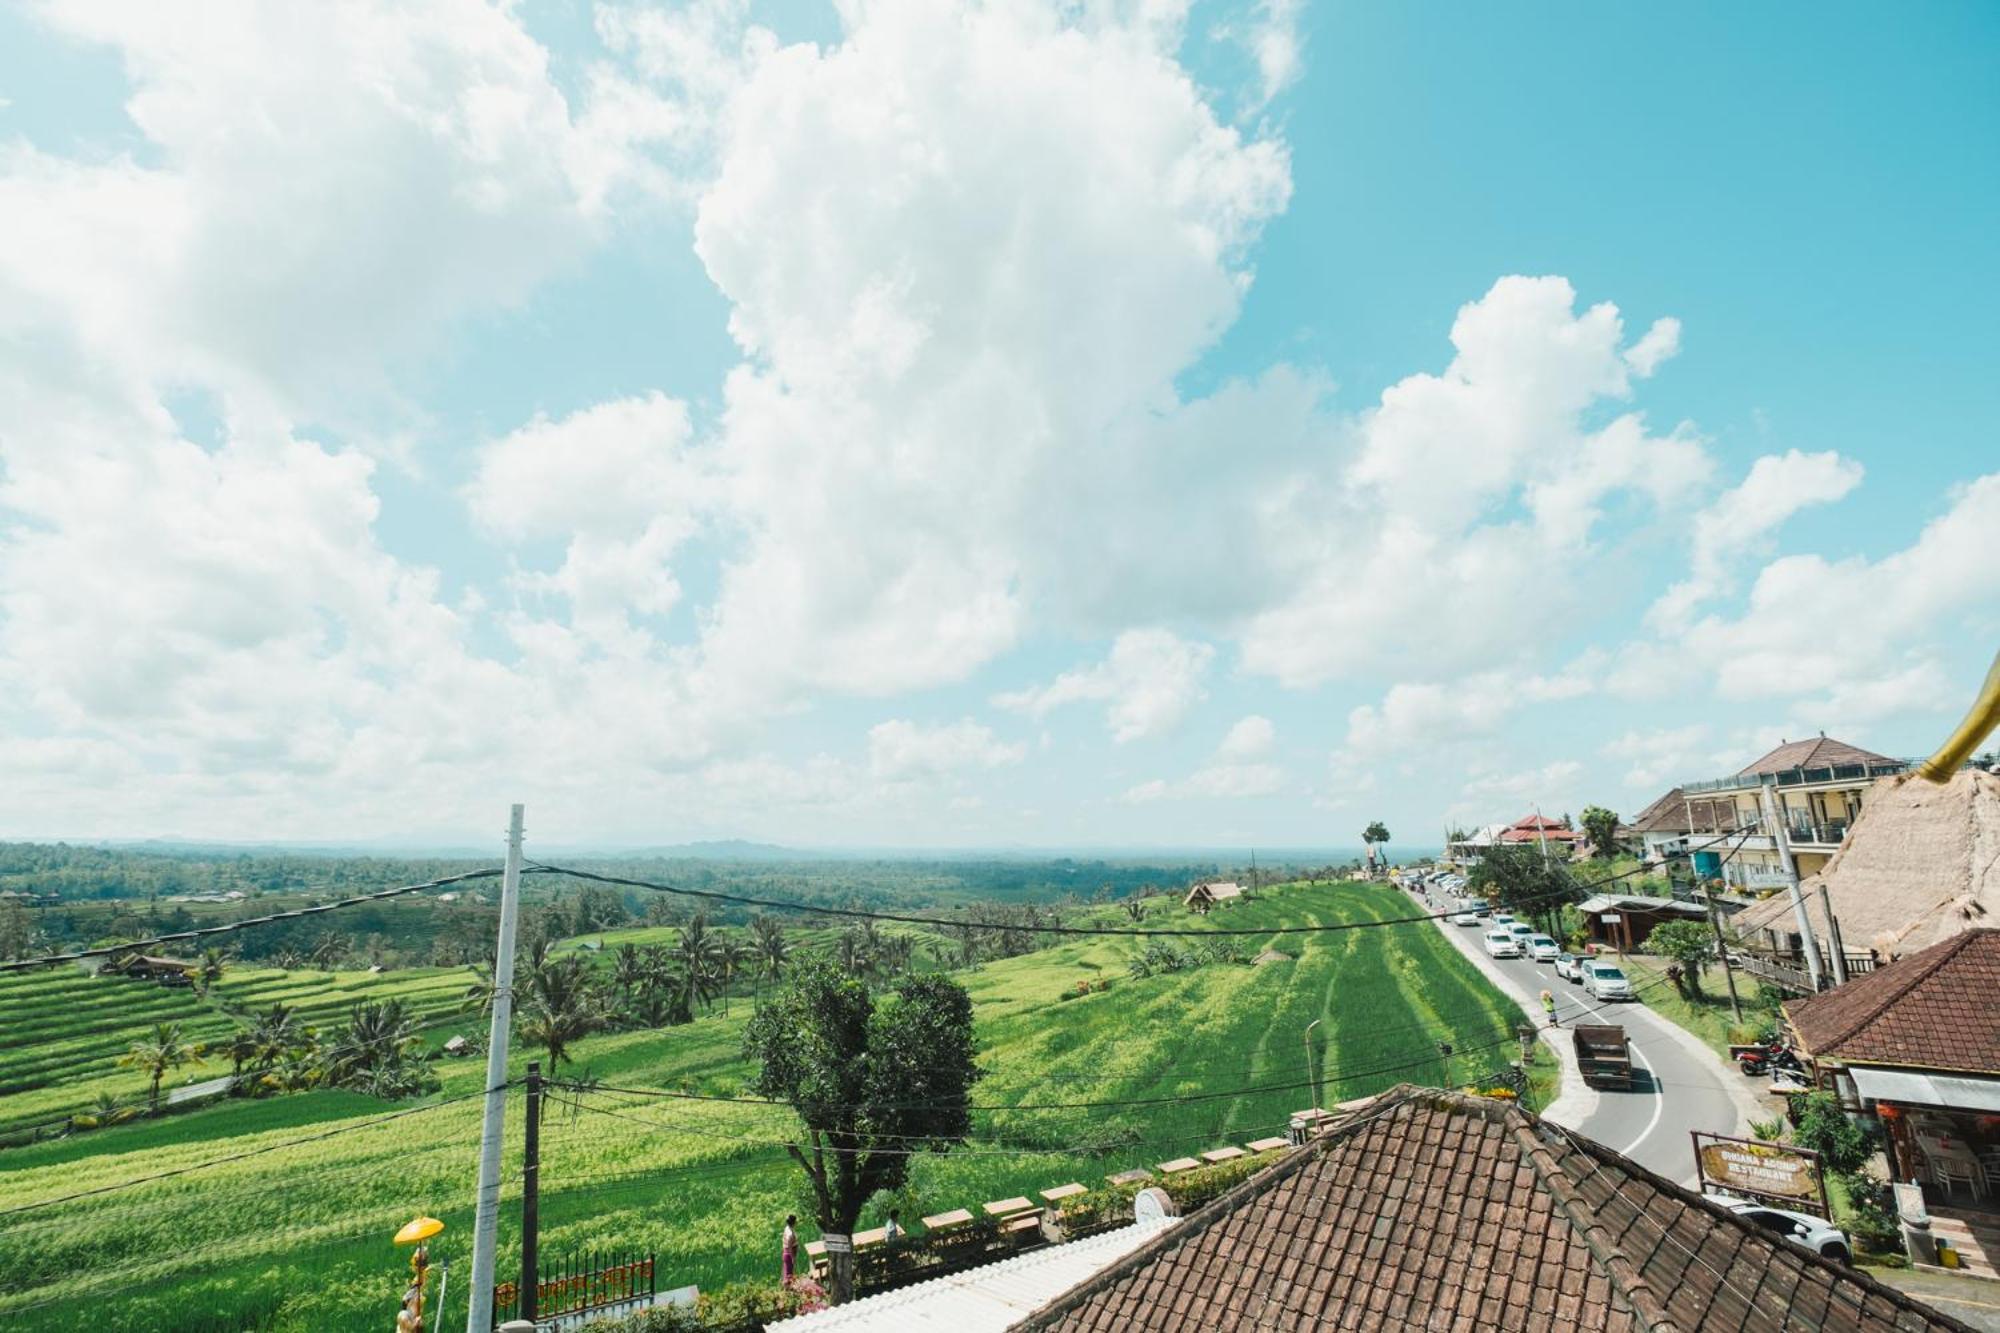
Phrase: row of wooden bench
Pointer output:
(1020, 1215)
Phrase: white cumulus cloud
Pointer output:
(1150, 680)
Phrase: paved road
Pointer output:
(1674, 1089)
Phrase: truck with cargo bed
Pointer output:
(1603, 1055)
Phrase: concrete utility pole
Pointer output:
(486, 1220)
(1769, 807)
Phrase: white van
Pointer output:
(1502, 944)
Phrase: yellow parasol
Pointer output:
(418, 1229)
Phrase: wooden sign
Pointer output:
(1772, 1172)
(836, 1243)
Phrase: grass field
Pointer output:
(297, 1237)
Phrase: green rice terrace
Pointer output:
(62, 1033)
(1082, 1080)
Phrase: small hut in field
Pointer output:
(1211, 892)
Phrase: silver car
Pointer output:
(1603, 981)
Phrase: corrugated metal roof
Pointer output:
(982, 1300)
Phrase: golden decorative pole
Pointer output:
(415, 1232)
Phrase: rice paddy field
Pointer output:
(62, 1033)
(295, 1233)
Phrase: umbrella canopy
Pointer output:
(418, 1228)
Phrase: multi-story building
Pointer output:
(1815, 787)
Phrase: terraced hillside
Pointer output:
(1152, 1068)
(62, 1032)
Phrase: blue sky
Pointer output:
(929, 425)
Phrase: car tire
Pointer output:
(1838, 1253)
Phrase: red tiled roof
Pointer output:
(1556, 834)
(1537, 821)
(1819, 752)
(1429, 1210)
(1932, 1010)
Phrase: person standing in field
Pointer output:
(788, 1250)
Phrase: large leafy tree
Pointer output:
(1524, 881)
(1688, 943)
(1602, 826)
(872, 1084)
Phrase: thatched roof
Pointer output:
(1272, 956)
(1921, 864)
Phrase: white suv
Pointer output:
(1602, 981)
(1502, 944)
(1814, 1233)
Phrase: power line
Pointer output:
(105, 951)
(1038, 928)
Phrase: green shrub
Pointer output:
(1822, 1127)
(1871, 1212)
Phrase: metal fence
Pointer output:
(579, 1284)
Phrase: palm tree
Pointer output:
(733, 954)
(479, 991)
(897, 951)
(377, 1036)
(159, 1054)
(328, 951)
(773, 949)
(209, 970)
(277, 1034)
(628, 970)
(698, 962)
(563, 1007)
(241, 1048)
(941, 952)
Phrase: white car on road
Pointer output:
(1604, 981)
(1465, 919)
(1814, 1233)
(1569, 967)
(1543, 949)
(1502, 944)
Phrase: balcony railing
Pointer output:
(1801, 777)
(1828, 834)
